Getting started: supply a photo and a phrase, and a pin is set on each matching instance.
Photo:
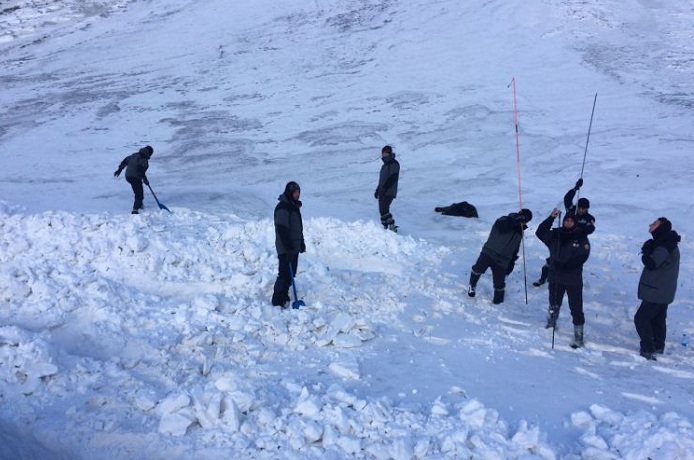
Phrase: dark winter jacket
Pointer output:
(136, 164)
(504, 240)
(585, 221)
(568, 251)
(661, 265)
(289, 228)
(388, 178)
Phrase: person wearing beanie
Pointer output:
(660, 256)
(582, 217)
(289, 241)
(136, 166)
(500, 252)
(387, 188)
(569, 249)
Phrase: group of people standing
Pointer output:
(568, 245)
(569, 249)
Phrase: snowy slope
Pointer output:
(152, 336)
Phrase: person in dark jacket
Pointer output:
(387, 188)
(462, 209)
(660, 256)
(583, 219)
(289, 241)
(136, 166)
(569, 249)
(500, 252)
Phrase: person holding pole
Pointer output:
(569, 249)
(500, 252)
(583, 219)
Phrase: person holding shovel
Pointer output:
(135, 166)
(289, 241)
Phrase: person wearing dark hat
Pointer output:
(289, 241)
(569, 249)
(136, 166)
(660, 256)
(387, 188)
(500, 252)
(582, 217)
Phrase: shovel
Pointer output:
(161, 206)
(297, 303)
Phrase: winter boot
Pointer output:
(498, 296)
(393, 228)
(474, 278)
(552, 315)
(543, 276)
(578, 337)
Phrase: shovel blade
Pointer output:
(298, 303)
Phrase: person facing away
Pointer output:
(289, 241)
(136, 166)
(660, 256)
(583, 219)
(500, 252)
(569, 249)
(387, 188)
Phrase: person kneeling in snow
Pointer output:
(136, 173)
(500, 252)
(289, 241)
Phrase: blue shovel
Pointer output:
(161, 206)
(297, 303)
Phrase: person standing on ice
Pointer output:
(289, 241)
(500, 252)
(661, 264)
(387, 188)
(583, 219)
(136, 166)
(569, 249)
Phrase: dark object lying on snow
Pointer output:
(463, 209)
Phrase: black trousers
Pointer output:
(280, 293)
(136, 184)
(498, 273)
(575, 296)
(384, 203)
(650, 321)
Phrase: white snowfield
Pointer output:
(152, 336)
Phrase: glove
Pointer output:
(117, 172)
(145, 180)
(579, 184)
(302, 248)
(376, 194)
(509, 270)
(647, 247)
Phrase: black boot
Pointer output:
(498, 296)
(552, 316)
(543, 276)
(578, 337)
(474, 278)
